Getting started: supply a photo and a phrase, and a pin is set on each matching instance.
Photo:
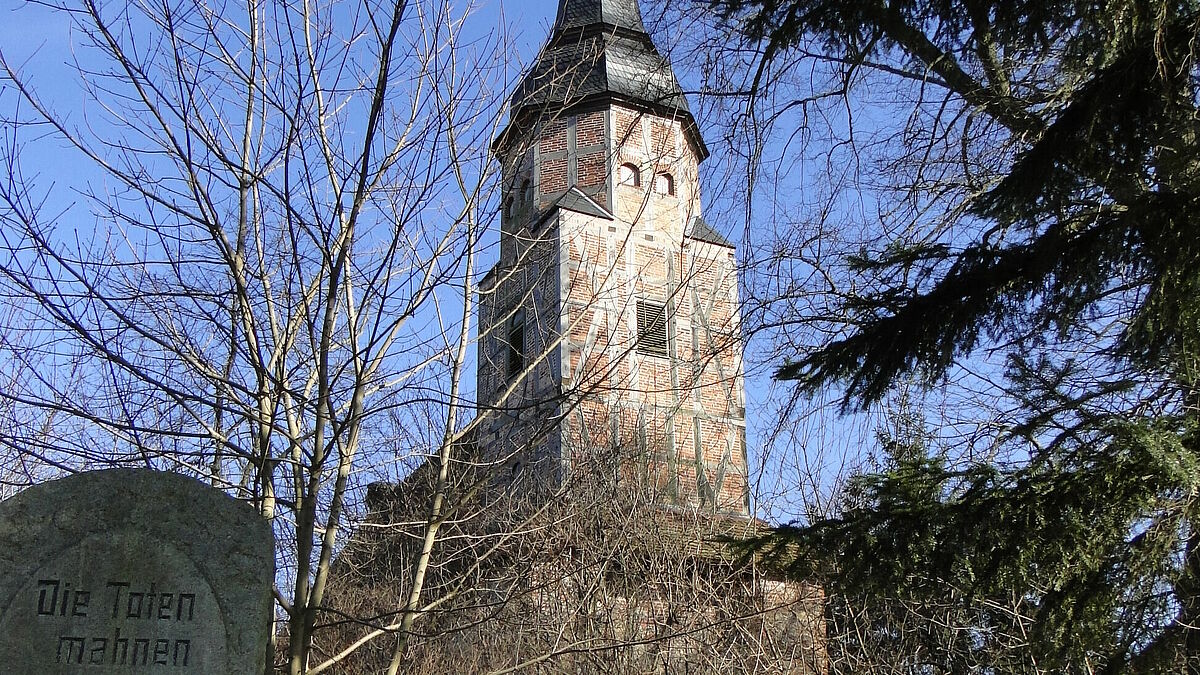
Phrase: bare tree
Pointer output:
(264, 276)
(601, 579)
(272, 291)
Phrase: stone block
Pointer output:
(133, 571)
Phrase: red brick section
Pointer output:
(553, 137)
(662, 136)
(554, 176)
(593, 169)
(589, 129)
(628, 125)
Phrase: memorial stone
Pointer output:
(133, 571)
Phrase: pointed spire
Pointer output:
(581, 13)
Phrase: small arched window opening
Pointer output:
(664, 184)
(628, 174)
(508, 208)
(526, 191)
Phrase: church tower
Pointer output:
(609, 341)
(609, 392)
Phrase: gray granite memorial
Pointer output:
(133, 571)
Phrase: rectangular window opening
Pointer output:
(516, 345)
(652, 328)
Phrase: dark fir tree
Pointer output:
(1045, 206)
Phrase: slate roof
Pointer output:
(702, 231)
(599, 47)
(575, 200)
(582, 66)
(572, 200)
(579, 13)
(599, 50)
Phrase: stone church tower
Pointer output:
(609, 338)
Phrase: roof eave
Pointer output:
(528, 115)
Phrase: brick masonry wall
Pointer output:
(678, 420)
(516, 409)
(676, 424)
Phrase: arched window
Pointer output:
(664, 184)
(628, 174)
(526, 192)
(508, 208)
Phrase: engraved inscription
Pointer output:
(123, 651)
(133, 572)
(126, 603)
(50, 599)
(85, 611)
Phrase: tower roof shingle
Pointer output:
(599, 51)
(579, 13)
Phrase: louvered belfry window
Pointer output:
(652, 328)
